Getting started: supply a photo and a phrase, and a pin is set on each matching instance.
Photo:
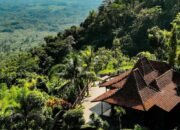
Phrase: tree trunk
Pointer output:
(26, 124)
(172, 56)
(120, 123)
(25, 114)
(88, 90)
(133, 4)
(88, 85)
(162, 3)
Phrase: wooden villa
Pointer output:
(148, 91)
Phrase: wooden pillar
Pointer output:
(112, 110)
(102, 108)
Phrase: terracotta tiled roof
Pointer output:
(144, 66)
(166, 99)
(165, 79)
(151, 76)
(147, 68)
(127, 96)
(144, 88)
(160, 66)
(119, 84)
(105, 95)
(116, 79)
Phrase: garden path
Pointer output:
(90, 107)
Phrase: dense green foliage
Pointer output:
(127, 21)
(74, 119)
(39, 86)
(98, 123)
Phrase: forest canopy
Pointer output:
(39, 87)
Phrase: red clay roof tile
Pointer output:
(144, 87)
(116, 79)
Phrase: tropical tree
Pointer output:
(119, 111)
(98, 123)
(174, 45)
(166, 41)
(147, 55)
(77, 70)
(88, 74)
(73, 119)
(174, 40)
(29, 114)
(16, 66)
(71, 71)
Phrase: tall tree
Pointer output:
(119, 111)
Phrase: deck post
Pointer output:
(112, 110)
(101, 108)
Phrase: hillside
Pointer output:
(42, 88)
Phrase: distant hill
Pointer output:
(24, 23)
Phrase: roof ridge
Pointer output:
(113, 91)
(143, 65)
(159, 61)
(140, 76)
(117, 79)
(147, 63)
(160, 77)
(138, 90)
(164, 74)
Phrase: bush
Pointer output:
(98, 123)
(73, 119)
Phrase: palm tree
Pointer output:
(72, 71)
(120, 112)
(88, 78)
(88, 74)
(28, 115)
(78, 70)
